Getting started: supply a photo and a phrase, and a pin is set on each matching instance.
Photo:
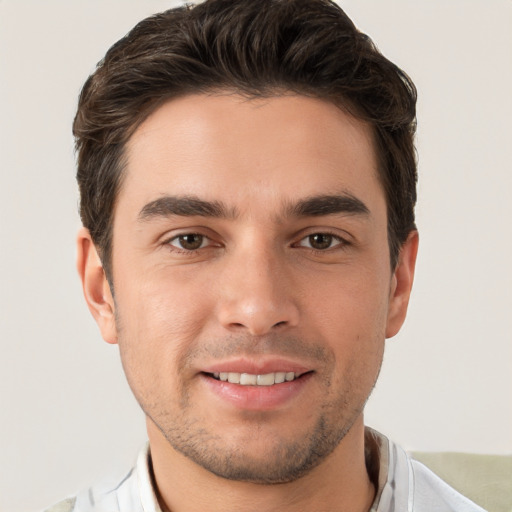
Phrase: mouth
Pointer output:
(257, 385)
(250, 379)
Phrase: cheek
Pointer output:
(351, 304)
(158, 323)
(158, 304)
(350, 315)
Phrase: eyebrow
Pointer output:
(184, 206)
(191, 206)
(317, 206)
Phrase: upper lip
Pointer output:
(257, 366)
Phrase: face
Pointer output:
(253, 288)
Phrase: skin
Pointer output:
(269, 281)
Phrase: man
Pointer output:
(247, 180)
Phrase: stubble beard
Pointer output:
(280, 460)
(284, 462)
(283, 459)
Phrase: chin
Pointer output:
(260, 456)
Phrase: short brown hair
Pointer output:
(256, 48)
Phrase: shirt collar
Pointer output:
(377, 463)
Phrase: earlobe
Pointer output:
(401, 285)
(95, 286)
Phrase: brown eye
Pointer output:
(189, 241)
(320, 241)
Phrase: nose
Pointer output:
(257, 294)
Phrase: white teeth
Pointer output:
(266, 380)
(248, 379)
(234, 378)
(280, 377)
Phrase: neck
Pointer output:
(340, 482)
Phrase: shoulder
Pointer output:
(103, 496)
(131, 493)
(433, 493)
(407, 485)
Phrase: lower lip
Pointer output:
(257, 398)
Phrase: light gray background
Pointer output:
(67, 415)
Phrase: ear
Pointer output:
(401, 284)
(95, 286)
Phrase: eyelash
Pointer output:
(187, 252)
(341, 243)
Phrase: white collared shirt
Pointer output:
(404, 485)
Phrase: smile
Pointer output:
(248, 379)
(263, 390)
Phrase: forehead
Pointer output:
(249, 152)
